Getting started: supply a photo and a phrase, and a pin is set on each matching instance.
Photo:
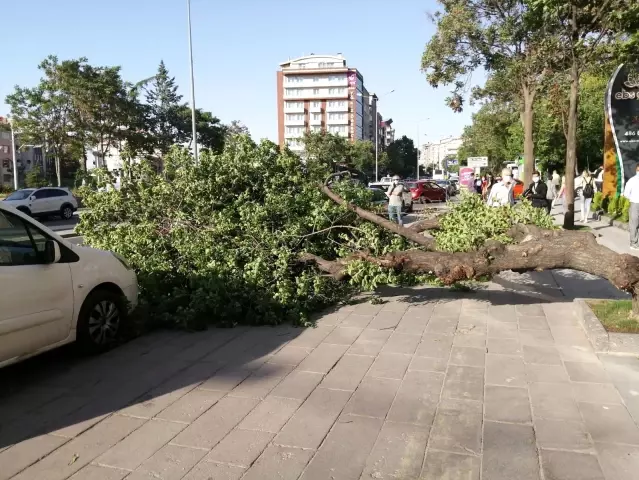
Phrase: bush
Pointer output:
(625, 210)
(597, 202)
(614, 206)
(34, 178)
(220, 242)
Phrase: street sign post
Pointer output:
(476, 162)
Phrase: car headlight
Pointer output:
(122, 260)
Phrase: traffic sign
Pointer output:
(477, 162)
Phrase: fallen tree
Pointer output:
(534, 249)
(246, 236)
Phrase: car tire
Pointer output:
(410, 208)
(66, 212)
(102, 320)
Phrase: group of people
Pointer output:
(500, 192)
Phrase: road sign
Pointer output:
(477, 162)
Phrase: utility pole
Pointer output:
(188, 6)
(376, 137)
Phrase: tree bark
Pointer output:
(527, 121)
(571, 147)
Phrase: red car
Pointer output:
(426, 191)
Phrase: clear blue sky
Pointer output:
(238, 46)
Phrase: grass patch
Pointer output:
(615, 315)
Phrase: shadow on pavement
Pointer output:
(63, 393)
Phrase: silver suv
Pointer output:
(44, 202)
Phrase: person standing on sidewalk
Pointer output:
(551, 193)
(395, 199)
(501, 194)
(537, 192)
(588, 190)
(631, 192)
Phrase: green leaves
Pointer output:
(470, 223)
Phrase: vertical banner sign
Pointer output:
(466, 176)
(621, 137)
(352, 94)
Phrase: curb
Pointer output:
(614, 223)
(603, 341)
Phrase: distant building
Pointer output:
(322, 93)
(432, 154)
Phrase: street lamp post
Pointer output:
(375, 98)
(195, 156)
(13, 154)
(419, 144)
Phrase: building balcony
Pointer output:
(292, 122)
(314, 121)
(315, 109)
(337, 108)
(296, 109)
(342, 121)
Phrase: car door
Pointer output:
(39, 201)
(36, 299)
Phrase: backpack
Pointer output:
(588, 191)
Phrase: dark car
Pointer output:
(426, 191)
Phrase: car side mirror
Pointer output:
(32, 198)
(51, 252)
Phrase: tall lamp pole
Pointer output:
(195, 156)
(419, 145)
(375, 98)
(13, 154)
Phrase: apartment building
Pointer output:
(320, 93)
(432, 154)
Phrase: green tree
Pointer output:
(164, 105)
(44, 113)
(504, 39)
(329, 150)
(402, 157)
(585, 33)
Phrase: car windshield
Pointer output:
(411, 185)
(20, 195)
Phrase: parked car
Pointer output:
(447, 185)
(43, 202)
(383, 182)
(426, 191)
(455, 183)
(53, 292)
(407, 198)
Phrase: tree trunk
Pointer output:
(571, 146)
(535, 250)
(527, 121)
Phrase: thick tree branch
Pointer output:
(538, 250)
(428, 243)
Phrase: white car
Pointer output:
(53, 292)
(42, 202)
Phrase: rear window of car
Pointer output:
(411, 185)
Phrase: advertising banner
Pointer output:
(477, 161)
(621, 133)
(466, 176)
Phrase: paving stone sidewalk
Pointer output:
(428, 386)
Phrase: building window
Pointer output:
(336, 116)
(294, 116)
(317, 116)
(317, 104)
(316, 79)
(294, 105)
(316, 128)
(316, 91)
(321, 64)
(341, 90)
(337, 128)
(292, 92)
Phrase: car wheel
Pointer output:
(66, 212)
(410, 208)
(101, 321)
